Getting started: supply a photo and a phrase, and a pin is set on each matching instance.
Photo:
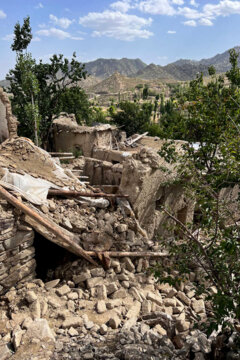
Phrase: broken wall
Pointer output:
(8, 123)
(102, 172)
(17, 263)
(149, 188)
(69, 136)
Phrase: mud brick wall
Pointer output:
(17, 262)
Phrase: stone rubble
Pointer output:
(79, 317)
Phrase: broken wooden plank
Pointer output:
(66, 157)
(132, 141)
(84, 194)
(61, 153)
(51, 226)
(128, 254)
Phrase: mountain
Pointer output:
(118, 83)
(182, 72)
(103, 68)
(219, 61)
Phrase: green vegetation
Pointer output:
(41, 91)
(209, 115)
(133, 117)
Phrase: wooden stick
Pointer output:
(43, 221)
(79, 193)
(128, 253)
(61, 154)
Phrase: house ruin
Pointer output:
(75, 254)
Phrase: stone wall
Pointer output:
(103, 172)
(8, 123)
(17, 263)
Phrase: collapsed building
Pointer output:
(75, 255)
(133, 167)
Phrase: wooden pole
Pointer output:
(128, 254)
(80, 193)
(43, 221)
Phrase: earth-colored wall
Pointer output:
(8, 123)
(17, 263)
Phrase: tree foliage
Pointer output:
(22, 35)
(209, 168)
(58, 88)
(133, 117)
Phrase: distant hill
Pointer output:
(180, 70)
(103, 68)
(219, 61)
(4, 83)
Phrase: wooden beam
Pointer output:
(49, 225)
(85, 194)
(61, 154)
(128, 254)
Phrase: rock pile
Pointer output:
(119, 313)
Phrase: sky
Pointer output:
(156, 31)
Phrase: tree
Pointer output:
(132, 117)
(74, 100)
(145, 92)
(210, 115)
(30, 91)
(52, 80)
(22, 35)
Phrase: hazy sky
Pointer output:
(159, 31)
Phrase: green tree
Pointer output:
(30, 90)
(145, 92)
(210, 116)
(22, 35)
(53, 81)
(133, 117)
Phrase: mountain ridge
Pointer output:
(180, 70)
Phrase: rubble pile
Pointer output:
(99, 229)
(118, 313)
(106, 304)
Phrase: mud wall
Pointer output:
(144, 180)
(8, 123)
(17, 263)
(102, 172)
(67, 140)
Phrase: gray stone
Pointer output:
(134, 310)
(52, 284)
(129, 264)
(63, 290)
(73, 321)
(17, 337)
(136, 294)
(198, 306)
(119, 294)
(146, 307)
(155, 298)
(31, 297)
(183, 298)
(98, 272)
(93, 282)
(77, 279)
(40, 329)
(5, 353)
(111, 288)
(114, 322)
(101, 307)
(103, 329)
(72, 332)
